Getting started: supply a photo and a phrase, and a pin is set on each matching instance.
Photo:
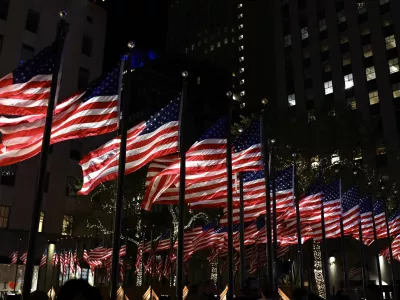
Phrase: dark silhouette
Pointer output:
(300, 294)
(38, 295)
(267, 292)
(79, 289)
(251, 290)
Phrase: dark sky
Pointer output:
(143, 21)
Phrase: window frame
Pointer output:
(4, 217)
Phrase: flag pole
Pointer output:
(378, 265)
(45, 268)
(325, 253)
(342, 241)
(274, 224)
(229, 198)
(265, 156)
(16, 269)
(182, 185)
(390, 253)
(299, 245)
(151, 263)
(242, 252)
(124, 111)
(142, 263)
(62, 29)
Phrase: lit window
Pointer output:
(241, 37)
(364, 29)
(218, 44)
(344, 38)
(241, 58)
(41, 221)
(396, 90)
(225, 40)
(394, 65)
(383, 1)
(212, 48)
(240, 5)
(241, 70)
(335, 159)
(311, 116)
(331, 112)
(341, 17)
(373, 97)
(346, 59)
(348, 81)
(287, 40)
(192, 47)
(4, 216)
(233, 40)
(324, 45)
(362, 8)
(351, 103)
(292, 100)
(304, 33)
(67, 225)
(370, 72)
(242, 93)
(328, 87)
(242, 82)
(240, 26)
(390, 42)
(241, 48)
(387, 19)
(322, 25)
(327, 65)
(367, 51)
(240, 16)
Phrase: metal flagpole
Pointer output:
(171, 244)
(76, 262)
(151, 264)
(52, 273)
(125, 280)
(362, 254)
(62, 29)
(325, 253)
(182, 185)
(378, 265)
(45, 268)
(299, 245)
(265, 156)
(124, 111)
(342, 241)
(242, 251)
(16, 269)
(142, 264)
(390, 253)
(274, 224)
(229, 199)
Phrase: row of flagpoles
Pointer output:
(214, 159)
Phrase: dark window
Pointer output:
(8, 175)
(4, 216)
(46, 182)
(27, 53)
(89, 19)
(87, 45)
(67, 226)
(4, 5)
(83, 78)
(381, 157)
(71, 187)
(32, 21)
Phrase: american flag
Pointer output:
(139, 258)
(55, 259)
(254, 195)
(165, 242)
(43, 260)
(394, 222)
(258, 260)
(190, 236)
(23, 257)
(250, 229)
(89, 113)
(351, 211)
(145, 142)
(207, 238)
(14, 257)
(281, 251)
(379, 218)
(26, 91)
(395, 250)
(355, 271)
(366, 221)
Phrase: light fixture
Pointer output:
(332, 260)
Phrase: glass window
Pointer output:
(327, 65)
(367, 50)
(373, 97)
(370, 72)
(240, 16)
(322, 25)
(383, 1)
(241, 70)
(387, 19)
(67, 225)
(46, 182)
(225, 41)
(8, 175)
(71, 188)
(396, 90)
(83, 78)
(4, 216)
(390, 42)
(348, 81)
(311, 116)
(4, 6)
(394, 65)
(346, 59)
(292, 100)
(241, 58)
(240, 26)
(241, 37)
(32, 21)
(364, 29)
(351, 103)
(41, 221)
(344, 38)
(324, 45)
(287, 40)
(87, 45)
(341, 17)
(362, 7)
(328, 87)
(27, 53)
(218, 44)
(304, 33)
(212, 47)
(241, 48)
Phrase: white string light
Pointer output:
(214, 271)
(319, 276)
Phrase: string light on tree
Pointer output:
(319, 277)
(214, 271)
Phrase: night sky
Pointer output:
(143, 21)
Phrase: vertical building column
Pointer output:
(383, 82)
(359, 78)
(395, 8)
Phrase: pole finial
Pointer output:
(63, 13)
(185, 74)
(131, 45)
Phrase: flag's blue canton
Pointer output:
(248, 138)
(365, 205)
(224, 229)
(209, 226)
(350, 199)
(261, 222)
(45, 252)
(41, 64)
(332, 191)
(379, 207)
(395, 215)
(252, 176)
(283, 180)
(167, 114)
(217, 131)
(315, 187)
(106, 85)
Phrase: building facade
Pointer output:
(26, 27)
